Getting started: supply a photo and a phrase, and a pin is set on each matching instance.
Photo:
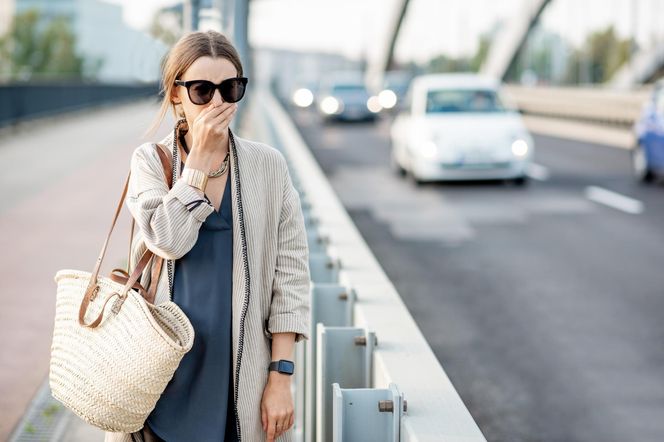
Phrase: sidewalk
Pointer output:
(67, 228)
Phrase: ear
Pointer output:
(175, 98)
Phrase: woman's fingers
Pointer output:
(223, 120)
(271, 429)
(279, 428)
(283, 424)
(203, 114)
(219, 109)
(277, 425)
(211, 111)
(230, 110)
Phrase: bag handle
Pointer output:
(151, 292)
(93, 287)
(168, 172)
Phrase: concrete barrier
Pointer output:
(592, 105)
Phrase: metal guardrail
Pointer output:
(592, 105)
(24, 101)
(366, 356)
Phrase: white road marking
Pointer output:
(538, 172)
(613, 199)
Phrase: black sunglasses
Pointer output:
(202, 91)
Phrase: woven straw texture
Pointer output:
(112, 375)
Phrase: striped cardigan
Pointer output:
(270, 256)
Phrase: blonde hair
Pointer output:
(177, 60)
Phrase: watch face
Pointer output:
(286, 366)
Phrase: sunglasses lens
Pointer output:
(233, 90)
(201, 93)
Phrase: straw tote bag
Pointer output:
(112, 369)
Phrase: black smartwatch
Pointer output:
(282, 366)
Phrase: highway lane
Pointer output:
(543, 305)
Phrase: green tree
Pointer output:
(607, 53)
(480, 55)
(443, 63)
(33, 49)
(602, 54)
(162, 33)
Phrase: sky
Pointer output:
(431, 27)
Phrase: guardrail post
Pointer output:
(310, 220)
(367, 414)
(331, 305)
(344, 355)
(302, 369)
(318, 242)
(323, 268)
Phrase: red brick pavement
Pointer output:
(62, 225)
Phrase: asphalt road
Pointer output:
(543, 303)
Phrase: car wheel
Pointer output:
(396, 167)
(640, 165)
(414, 178)
(521, 180)
(411, 175)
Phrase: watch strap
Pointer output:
(274, 366)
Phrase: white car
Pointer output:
(460, 127)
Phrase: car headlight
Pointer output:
(387, 98)
(330, 105)
(303, 97)
(373, 104)
(428, 149)
(520, 147)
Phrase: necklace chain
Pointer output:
(222, 168)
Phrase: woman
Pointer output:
(232, 235)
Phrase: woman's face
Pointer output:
(204, 68)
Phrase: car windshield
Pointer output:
(398, 88)
(347, 88)
(463, 100)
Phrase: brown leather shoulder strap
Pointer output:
(168, 172)
(166, 164)
(158, 262)
(147, 255)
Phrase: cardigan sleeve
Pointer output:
(290, 306)
(169, 220)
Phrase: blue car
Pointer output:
(648, 154)
(343, 96)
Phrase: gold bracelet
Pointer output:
(195, 177)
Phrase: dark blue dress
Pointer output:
(197, 404)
